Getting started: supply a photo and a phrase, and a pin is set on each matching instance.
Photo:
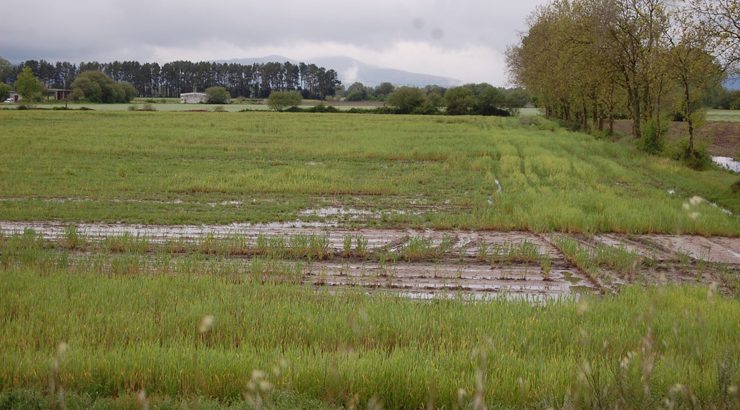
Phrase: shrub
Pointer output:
(217, 95)
(698, 158)
(406, 99)
(280, 100)
(652, 140)
(219, 108)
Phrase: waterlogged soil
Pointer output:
(454, 266)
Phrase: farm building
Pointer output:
(193, 98)
(59, 93)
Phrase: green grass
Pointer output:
(128, 332)
(723, 115)
(173, 168)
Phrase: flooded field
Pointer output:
(425, 264)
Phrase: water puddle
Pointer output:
(727, 163)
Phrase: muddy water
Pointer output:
(449, 278)
(457, 273)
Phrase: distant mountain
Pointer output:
(351, 70)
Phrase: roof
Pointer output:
(192, 94)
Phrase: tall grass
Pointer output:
(128, 333)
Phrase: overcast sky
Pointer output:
(462, 39)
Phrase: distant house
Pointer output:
(59, 93)
(14, 96)
(193, 98)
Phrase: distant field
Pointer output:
(440, 172)
(723, 115)
(173, 104)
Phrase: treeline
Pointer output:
(171, 79)
(588, 62)
(468, 99)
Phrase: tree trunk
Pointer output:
(687, 114)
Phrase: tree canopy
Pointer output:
(280, 100)
(587, 61)
(173, 78)
(96, 87)
(217, 95)
(4, 91)
(28, 86)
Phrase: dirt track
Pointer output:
(459, 270)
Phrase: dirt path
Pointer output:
(459, 268)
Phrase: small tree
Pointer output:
(383, 90)
(217, 95)
(406, 99)
(28, 86)
(280, 100)
(356, 92)
(460, 101)
(4, 91)
(96, 87)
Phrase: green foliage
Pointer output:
(653, 136)
(405, 99)
(383, 90)
(217, 95)
(280, 100)
(96, 87)
(356, 92)
(4, 91)
(694, 156)
(5, 69)
(460, 101)
(28, 86)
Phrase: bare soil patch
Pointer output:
(722, 138)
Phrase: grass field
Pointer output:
(199, 338)
(224, 167)
(275, 318)
(723, 115)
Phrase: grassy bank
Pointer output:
(225, 167)
(199, 337)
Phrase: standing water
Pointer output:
(727, 163)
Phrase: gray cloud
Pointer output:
(410, 34)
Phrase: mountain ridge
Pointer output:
(351, 70)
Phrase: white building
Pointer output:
(193, 98)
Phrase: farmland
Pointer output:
(296, 260)
(432, 172)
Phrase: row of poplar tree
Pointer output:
(171, 79)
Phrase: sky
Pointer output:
(461, 39)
